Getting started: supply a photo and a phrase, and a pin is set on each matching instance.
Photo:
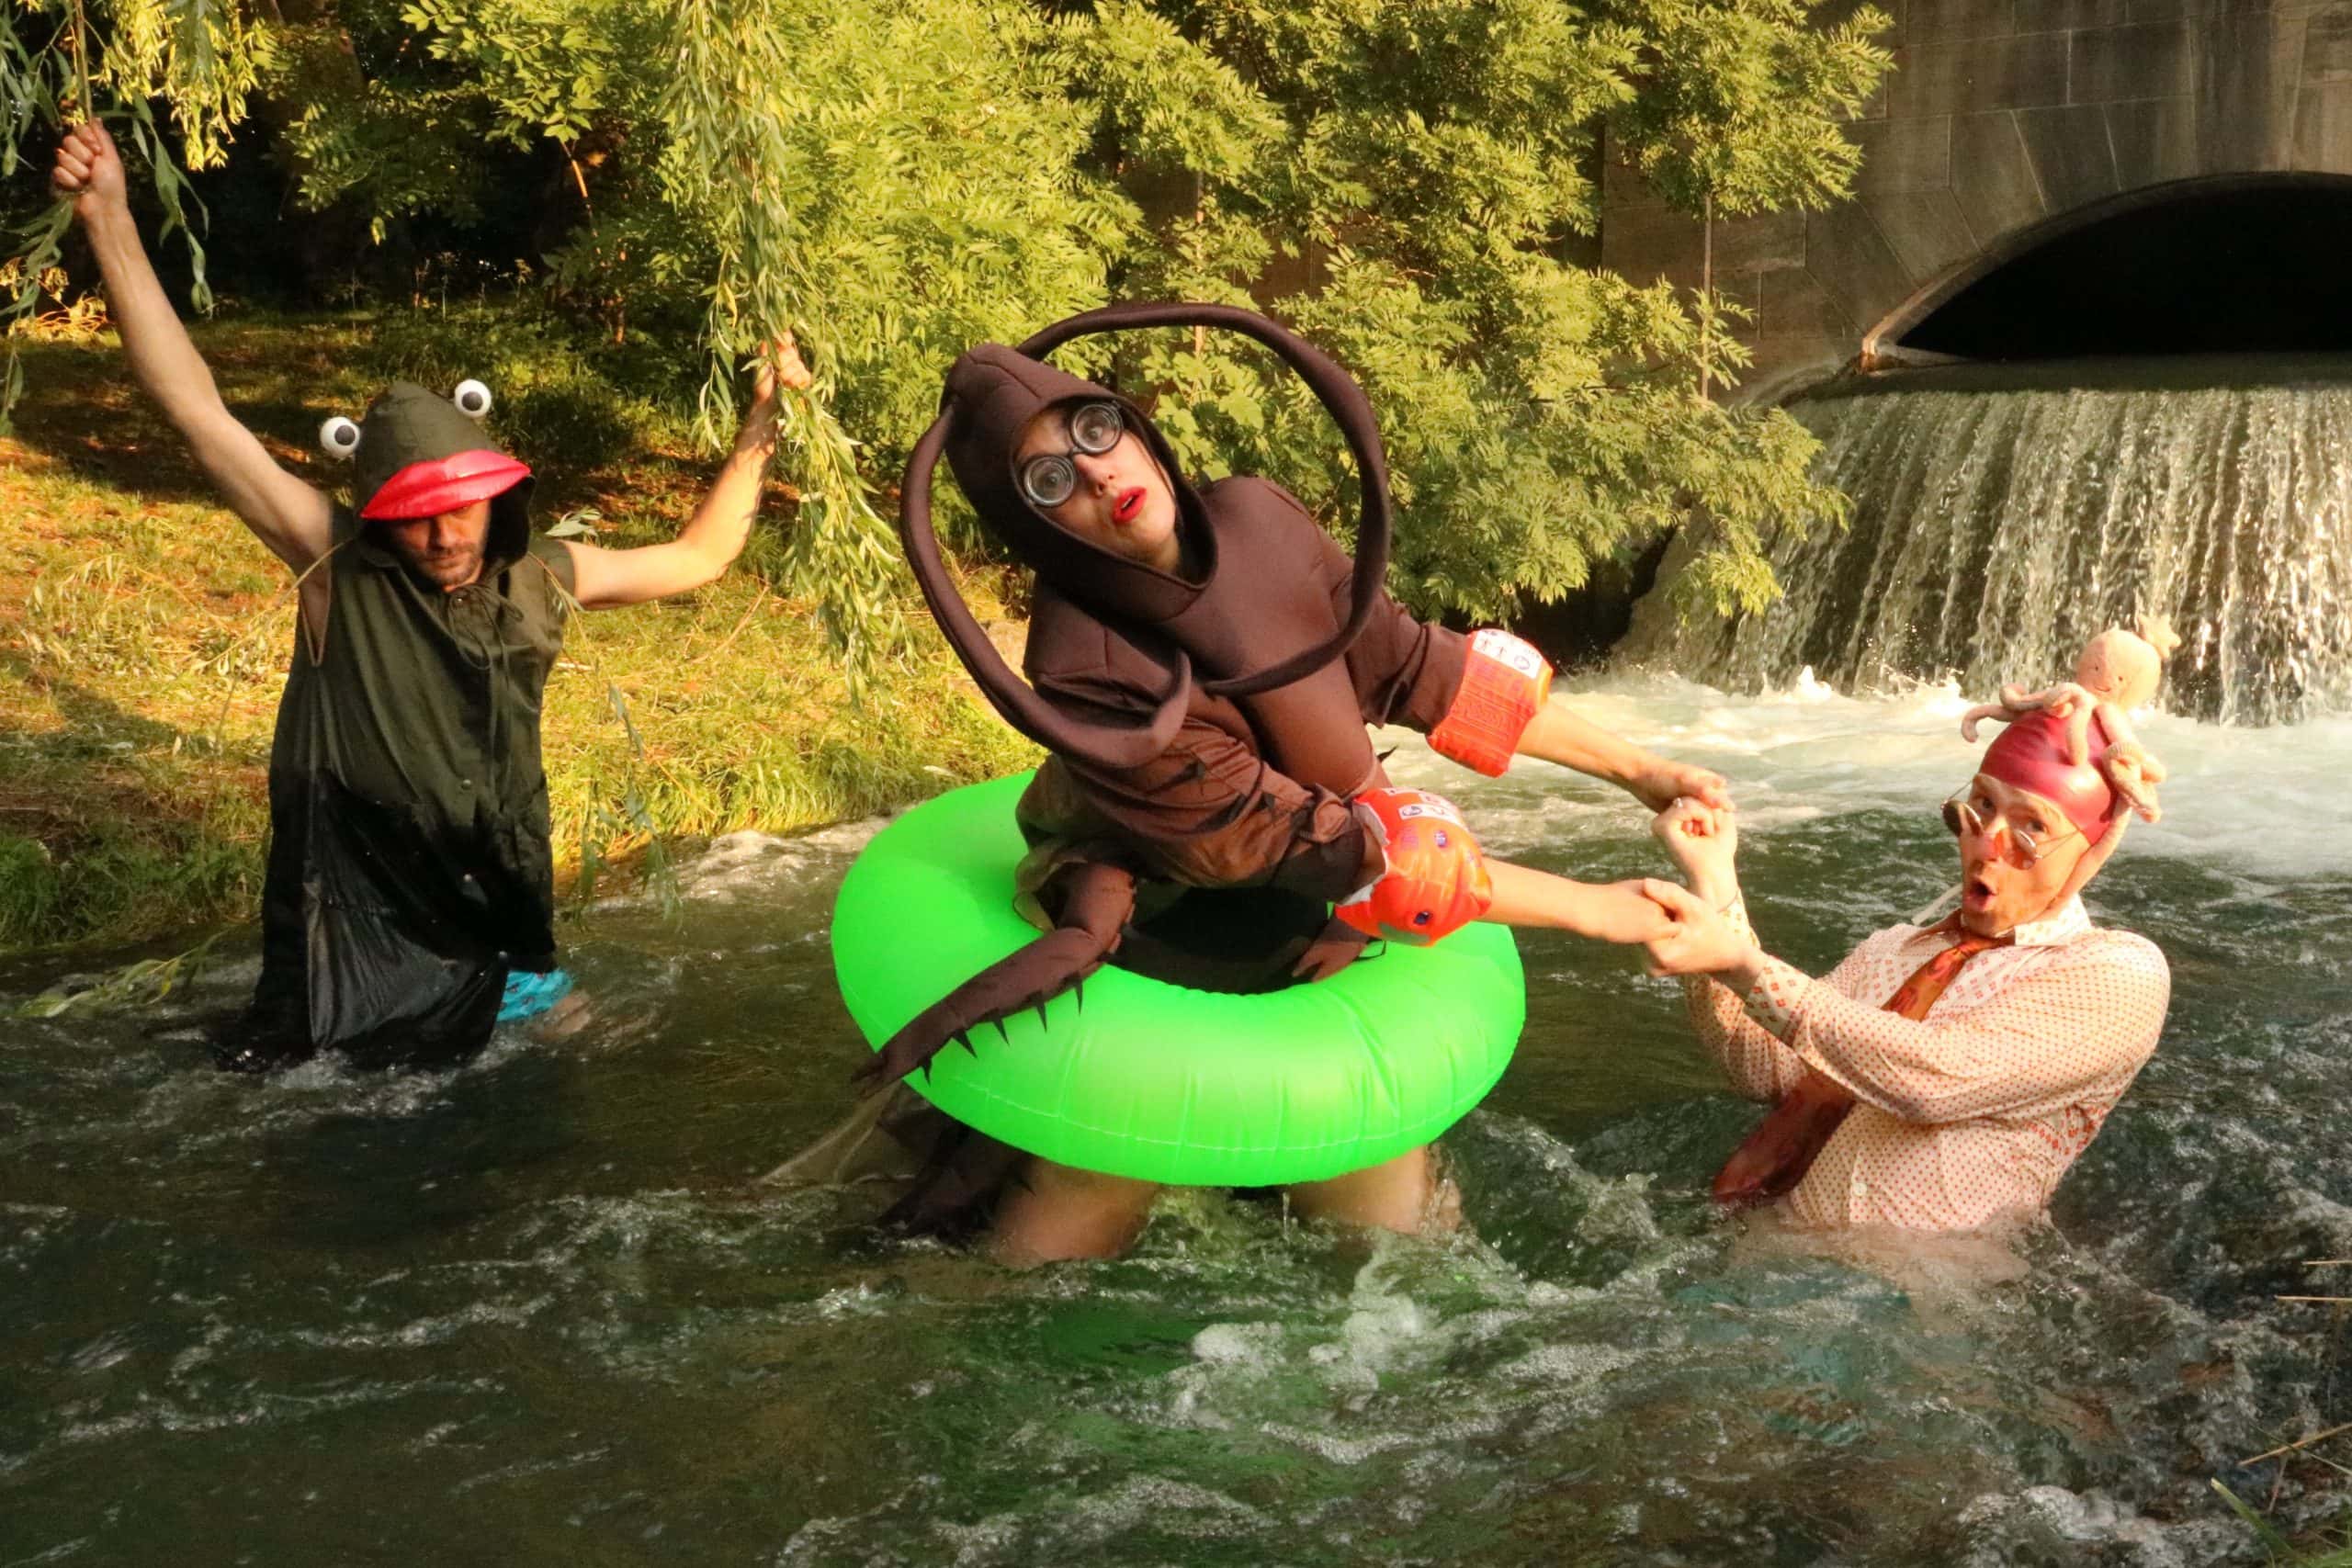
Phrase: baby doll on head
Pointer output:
(2119, 672)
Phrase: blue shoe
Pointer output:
(529, 995)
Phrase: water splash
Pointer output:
(1997, 528)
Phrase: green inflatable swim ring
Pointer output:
(1158, 1081)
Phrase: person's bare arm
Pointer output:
(1556, 735)
(716, 534)
(1605, 911)
(1410, 673)
(293, 519)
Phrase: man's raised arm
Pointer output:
(715, 535)
(293, 519)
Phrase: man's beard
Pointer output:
(449, 569)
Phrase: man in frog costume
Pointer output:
(410, 894)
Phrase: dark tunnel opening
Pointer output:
(2229, 269)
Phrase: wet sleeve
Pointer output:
(2090, 1015)
(1758, 1066)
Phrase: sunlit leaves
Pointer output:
(1171, 102)
(1539, 415)
(1741, 101)
(550, 68)
(65, 60)
(895, 180)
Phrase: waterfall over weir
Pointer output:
(2005, 514)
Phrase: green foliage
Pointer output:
(894, 180)
(2275, 1543)
(30, 890)
(1538, 414)
(541, 68)
(204, 57)
(571, 402)
(1168, 104)
(60, 60)
(144, 983)
(1740, 102)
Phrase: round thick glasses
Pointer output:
(1051, 478)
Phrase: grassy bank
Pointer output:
(145, 636)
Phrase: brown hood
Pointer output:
(992, 391)
(992, 394)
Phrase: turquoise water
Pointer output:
(539, 1310)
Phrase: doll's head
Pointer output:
(2123, 667)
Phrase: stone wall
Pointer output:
(2004, 123)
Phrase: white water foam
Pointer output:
(2267, 805)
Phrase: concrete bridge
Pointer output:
(2005, 124)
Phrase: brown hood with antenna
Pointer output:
(992, 392)
(996, 392)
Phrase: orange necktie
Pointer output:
(1775, 1156)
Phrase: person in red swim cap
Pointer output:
(1944, 1076)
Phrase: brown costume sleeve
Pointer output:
(1404, 670)
(1089, 902)
(1209, 812)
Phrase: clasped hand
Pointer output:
(1665, 784)
(1702, 840)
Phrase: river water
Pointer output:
(537, 1310)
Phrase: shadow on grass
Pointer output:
(96, 723)
(96, 846)
(85, 410)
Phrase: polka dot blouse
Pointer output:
(1971, 1115)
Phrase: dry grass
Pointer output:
(144, 636)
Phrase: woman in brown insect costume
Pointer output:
(1202, 664)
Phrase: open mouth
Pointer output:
(1976, 892)
(1129, 504)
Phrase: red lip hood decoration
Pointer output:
(429, 489)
